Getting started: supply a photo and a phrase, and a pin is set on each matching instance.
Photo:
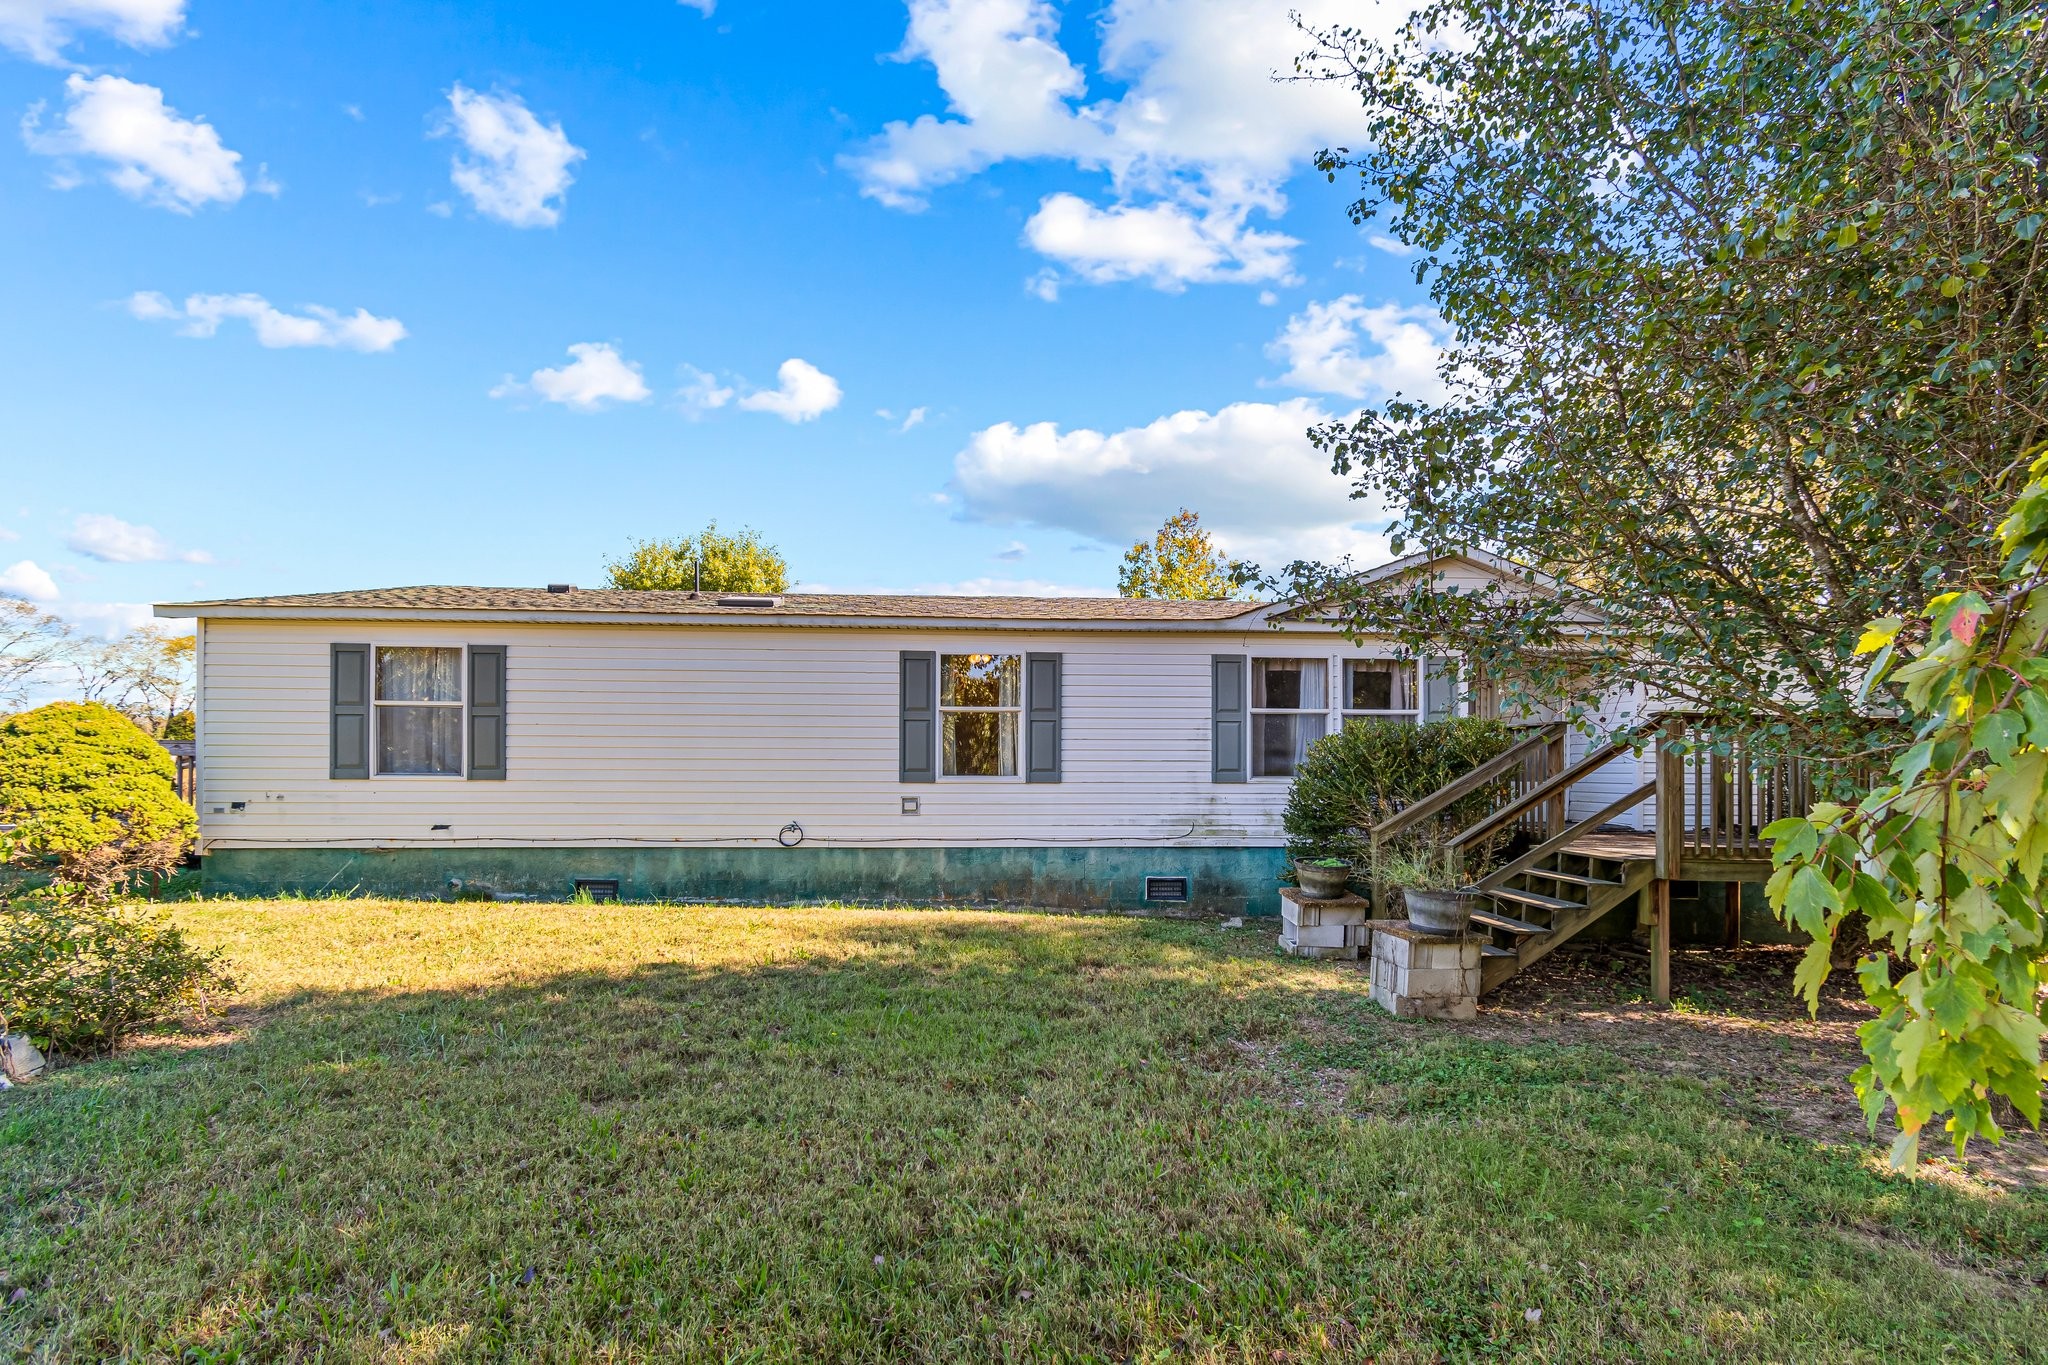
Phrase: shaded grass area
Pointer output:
(446, 1132)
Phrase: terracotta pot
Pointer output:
(1322, 883)
(1441, 912)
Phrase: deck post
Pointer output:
(1660, 941)
(1732, 914)
(1556, 753)
(1670, 801)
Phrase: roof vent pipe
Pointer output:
(561, 587)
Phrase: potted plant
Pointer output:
(1438, 897)
(1323, 879)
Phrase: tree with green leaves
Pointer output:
(1946, 860)
(741, 562)
(1749, 350)
(1181, 561)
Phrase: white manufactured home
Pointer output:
(1082, 752)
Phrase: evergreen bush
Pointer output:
(1368, 770)
(77, 777)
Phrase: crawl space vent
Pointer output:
(598, 888)
(1173, 890)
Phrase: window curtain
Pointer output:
(410, 673)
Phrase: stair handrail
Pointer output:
(1527, 860)
(1625, 743)
(1460, 787)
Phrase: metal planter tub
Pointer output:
(1322, 883)
(1441, 912)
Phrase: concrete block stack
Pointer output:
(1418, 975)
(1324, 928)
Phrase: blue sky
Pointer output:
(963, 294)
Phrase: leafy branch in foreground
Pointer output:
(1946, 860)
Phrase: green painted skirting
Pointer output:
(1229, 881)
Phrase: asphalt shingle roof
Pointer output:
(630, 601)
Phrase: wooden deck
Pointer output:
(1618, 845)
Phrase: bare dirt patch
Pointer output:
(1733, 1017)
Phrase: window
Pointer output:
(980, 698)
(1381, 689)
(1290, 711)
(418, 702)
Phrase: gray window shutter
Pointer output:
(1227, 718)
(348, 752)
(1042, 717)
(486, 713)
(1439, 688)
(920, 717)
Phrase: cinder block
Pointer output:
(1294, 949)
(1444, 954)
(1311, 913)
(1323, 936)
(1413, 1007)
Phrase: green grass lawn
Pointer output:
(447, 1132)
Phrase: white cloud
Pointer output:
(7, 535)
(914, 418)
(1199, 128)
(26, 578)
(112, 619)
(595, 376)
(202, 315)
(1015, 550)
(1249, 469)
(1163, 244)
(517, 169)
(701, 392)
(111, 540)
(1393, 246)
(153, 154)
(1325, 348)
(41, 29)
(703, 7)
(804, 392)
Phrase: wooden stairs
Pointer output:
(1713, 800)
(1714, 797)
(1536, 908)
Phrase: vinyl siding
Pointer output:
(707, 736)
(1618, 711)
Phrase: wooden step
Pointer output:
(1536, 898)
(1494, 920)
(1575, 878)
(1495, 950)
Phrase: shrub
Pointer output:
(81, 978)
(1351, 780)
(87, 788)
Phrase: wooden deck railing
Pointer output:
(1715, 797)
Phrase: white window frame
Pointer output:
(459, 704)
(941, 710)
(1413, 715)
(1331, 717)
(1337, 714)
